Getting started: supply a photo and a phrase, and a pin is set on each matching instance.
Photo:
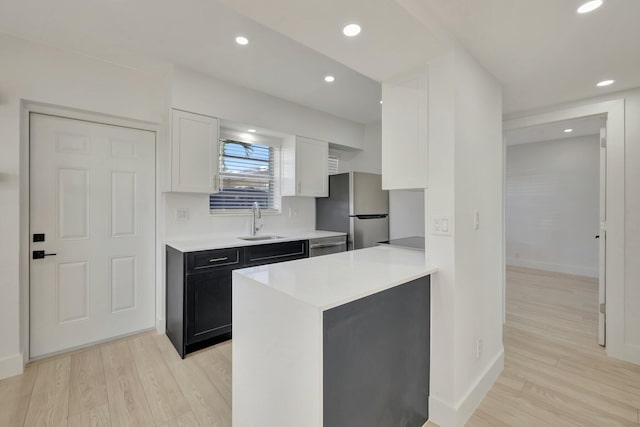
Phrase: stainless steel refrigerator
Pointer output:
(358, 206)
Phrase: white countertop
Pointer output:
(332, 280)
(234, 241)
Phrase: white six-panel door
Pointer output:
(92, 194)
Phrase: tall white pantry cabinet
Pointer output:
(405, 137)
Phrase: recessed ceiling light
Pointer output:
(351, 30)
(252, 130)
(381, 101)
(329, 79)
(568, 130)
(242, 40)
(590, 6)
(605, 83)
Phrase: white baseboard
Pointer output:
(161, 326)
(442, 413)
(12, 365)
(557, 268)
(627, 352)
(446, 415)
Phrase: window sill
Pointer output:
(243, 212)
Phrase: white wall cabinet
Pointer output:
(194, 153)
(405, 132)
(305, 167)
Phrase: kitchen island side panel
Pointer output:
(277, 358)
(175, 292)
(376, 359)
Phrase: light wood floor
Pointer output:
(136, 381)
(555, 373)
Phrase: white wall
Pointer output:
(297, 214)
(465, 174)
(37, 73)
(479, 262)
(406, 213)
(192, 91)
(368, 158)
(552, 205)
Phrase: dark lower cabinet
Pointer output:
(208, 304)
(199, 297)
(199, 289)
(276, 252)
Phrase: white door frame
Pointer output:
(602, 237)
(28, 107)
(615, 275)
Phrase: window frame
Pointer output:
(275, 163)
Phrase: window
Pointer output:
(334, 164)
(248, 173)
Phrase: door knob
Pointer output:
(597, 236)
(40, 254)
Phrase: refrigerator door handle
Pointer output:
(376, 216)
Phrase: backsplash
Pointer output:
(297, 214)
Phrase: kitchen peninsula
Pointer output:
(338, 340)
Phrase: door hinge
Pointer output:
(603, 308)
(603, 142)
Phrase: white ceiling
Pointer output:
(392, 41)
(555, 131)
(542, 51)
(198, 35)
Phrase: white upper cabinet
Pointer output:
(405, 132)
(304, 167)
(194, 153)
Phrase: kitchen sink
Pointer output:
(256, 238)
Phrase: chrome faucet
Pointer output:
(255, 212)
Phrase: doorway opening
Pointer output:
(555, 211)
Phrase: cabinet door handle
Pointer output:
(218, 259)
(327, 245)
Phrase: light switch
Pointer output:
(440, 225)
(476, 220)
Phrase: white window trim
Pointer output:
(248, 212)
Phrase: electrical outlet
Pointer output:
(182, 214)
(479, 348)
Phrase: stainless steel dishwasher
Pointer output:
(327, 245)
